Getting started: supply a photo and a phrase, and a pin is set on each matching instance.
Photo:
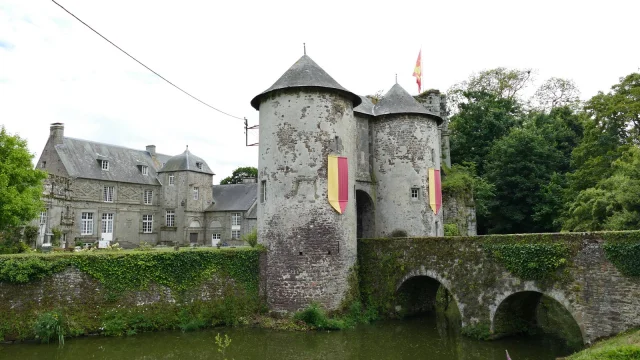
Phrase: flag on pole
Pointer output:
(417, 72)
(338, 182)
(435, 190)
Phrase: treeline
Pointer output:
(549, 162)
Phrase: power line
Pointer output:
(148, 68)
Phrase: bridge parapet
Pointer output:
(490, 275)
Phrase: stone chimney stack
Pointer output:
(56, 133)
(151, 149)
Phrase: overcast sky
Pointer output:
(54, 69)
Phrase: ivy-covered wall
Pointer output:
(595, 276)
(119, 293)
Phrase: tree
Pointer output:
(20, 183)
(239, 174)
(614, 203)
(556, 92)
(519, 166)
(501, 82)
(483, 118)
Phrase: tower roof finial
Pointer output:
(304, 47)
(396, 78)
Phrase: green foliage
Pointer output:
(530, 261)
(24, 269)
(398, 233)
(625, 346)
(239, 174)
(251, 238)
(223, 343)
(48, 326)
(144, 246)
(451, 230)
(625, 256)
(20, 183)
(55, 239)
(519, 166)
(30, 234)
(479, 331)
(11, 241)
(462, 182)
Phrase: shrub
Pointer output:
(251, 238)
(314, 316)
(451, 230)
(144, 246)
(48, 326)
(398, 233)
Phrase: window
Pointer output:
(433, 157)
(144, 169)
(43, 217)
(235, 234)
(104, 164)
(195, 193)
(415, 193)
(172, 179)
(107, 223)
(171, 217)
(86, 225)
(263, 191)
(43, 164)
(147, 223)
(108, 194)
(215, 237)
(148, 197)
(235, 219)
(199, 165)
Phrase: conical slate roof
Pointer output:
(186, 162)
(399, 101)
(305, 73)
(365, 107)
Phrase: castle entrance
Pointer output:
(365, 214)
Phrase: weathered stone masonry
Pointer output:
(602, 301)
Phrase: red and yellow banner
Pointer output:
(338, 183)
(417, 71)
(435, 190)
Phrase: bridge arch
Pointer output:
(420, 287)
(532, 310)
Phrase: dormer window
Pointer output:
(104, 164)
(144, 169)
(199, 165)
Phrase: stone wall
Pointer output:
(602, 301)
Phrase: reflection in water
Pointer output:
(429, 337)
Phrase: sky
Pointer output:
(54, 69)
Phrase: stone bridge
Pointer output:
(499, 282)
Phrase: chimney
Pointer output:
(56, 133)
(151, 149)
(248, 180)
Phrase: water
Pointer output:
(416, 338)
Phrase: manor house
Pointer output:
(101, 192)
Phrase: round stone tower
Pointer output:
(405, 145)
(305, 117)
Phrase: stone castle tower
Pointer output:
(307, 116)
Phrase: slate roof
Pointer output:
(365, 107)
(398, 101)
(186, 162)
(232, 197)
(305, 73)
(80, 158)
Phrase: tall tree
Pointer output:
(556, 92)
(519, 166)
(239, 174)
(483, 118)
(20, 183)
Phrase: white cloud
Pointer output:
(52, 68)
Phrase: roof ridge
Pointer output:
(113, 145)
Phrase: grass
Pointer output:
(625, 346)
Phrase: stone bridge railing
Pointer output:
(594, 276)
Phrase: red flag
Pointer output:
(417, 72)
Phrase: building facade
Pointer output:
(106, 193)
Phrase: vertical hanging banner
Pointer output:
(435, 190)
(338, 184)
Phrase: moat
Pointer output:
(427, 337)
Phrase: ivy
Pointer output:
(625, 256)
(126, 271)
(530, 261)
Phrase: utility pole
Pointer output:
(246, 132)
